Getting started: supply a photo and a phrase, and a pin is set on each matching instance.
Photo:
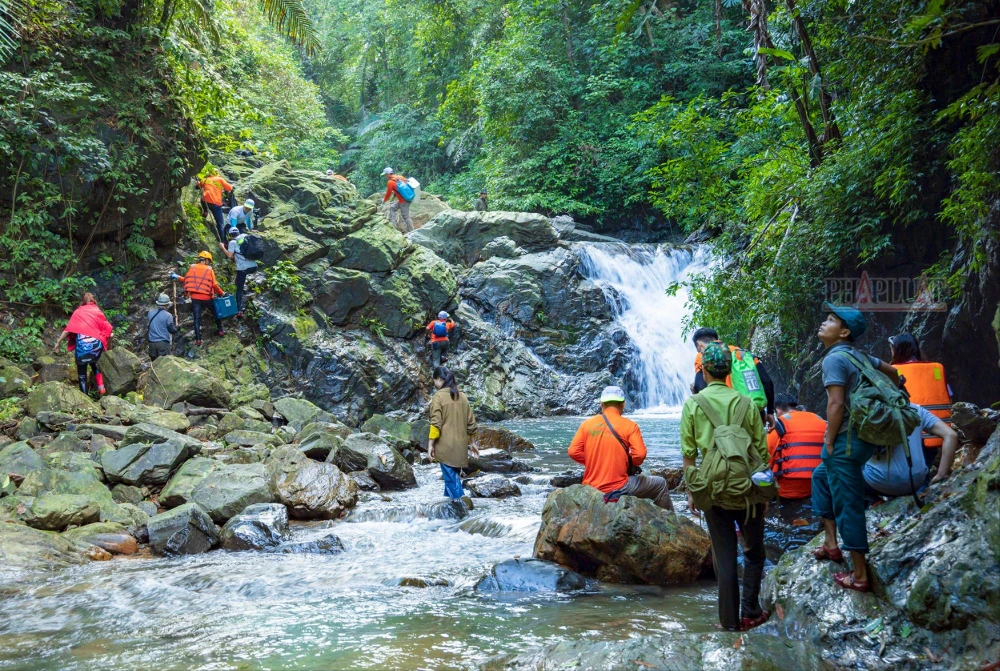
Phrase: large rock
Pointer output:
(184, 530)
(400, 434)
(426, 208)
(39, 483)
(152, 433)
(20, 459)
(492, 487)
(173, 380)
(167, 419)
(121, 369)
(252, 438)
(24, 547)
(376, 247)
(60, 397)
(181, 487)
(108, 536)
(415, 291)
(13, 381)
(935, 572)
(143, 464)
(530, 575)
(495, 437)
(314, 490)
(75, 461)
(67, 441)
(384, 463)
(329, 544)
(628, 541)
(497, 461)
(298, 412)
(261, 526)
(459, 237)
(55, 512)
(230, 488)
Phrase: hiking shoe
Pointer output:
(197, 343)
(222, 333)
(748, 623)
(239, 315)
(101, 390)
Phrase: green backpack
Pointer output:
(745, 378)
(723, 479)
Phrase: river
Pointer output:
(257, 611)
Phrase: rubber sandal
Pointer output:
(847, 581)
(825, 554)
(746, 623)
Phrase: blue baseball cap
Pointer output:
(852, 318)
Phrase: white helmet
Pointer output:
(387, 171)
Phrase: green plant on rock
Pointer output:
(375, 326)
(283, 279)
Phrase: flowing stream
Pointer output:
(642, 284)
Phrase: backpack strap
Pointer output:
(741, 411)
(709, 411)
(621, 442)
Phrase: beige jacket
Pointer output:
(454, 419)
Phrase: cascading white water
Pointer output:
(635, 278)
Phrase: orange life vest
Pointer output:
(199, 282)
(928, 387)
(449, 325)
(800, 445)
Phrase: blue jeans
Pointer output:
(838, 490)
(452, 482)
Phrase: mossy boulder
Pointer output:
(121, 369)
(20, 459)
(55, 512)
(398, 433)
(312, 490)
(24, 547)
(108, 536)
(459, 237)
(230, 488)
(60, 397)
(298, 412)
(13, 381)
(385, 464)
(338, 292)
(376, 247)
(415, 291)
(167, 419)
(173, 380)
(152, 433)
(243, 438)
(76, 461)
(180, 489)
(144, 464)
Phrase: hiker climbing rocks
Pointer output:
(795, 445)
(396, 187)
(241, 216)
(161, 328)
(750, 379)
(838, 482)
(731, 485)
(211, 195)
(611, 449)
(482, 203)
(244, 266)
(452, 432)
(200, 285)
(87, 335)
(440, 332)
(926, 384)
(887, 473)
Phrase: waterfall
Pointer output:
(635, 280)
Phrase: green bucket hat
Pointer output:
(717, 359)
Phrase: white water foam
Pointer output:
(635, 279)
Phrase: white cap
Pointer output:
(329, 172)
(249, 203)
(612, 395)
(442, 315)
(387, 171)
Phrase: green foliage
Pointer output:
(20, 343)
(374, 325)
(10, 408)
(283, 279)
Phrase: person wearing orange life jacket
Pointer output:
(211, 196)
(400, 207)
(925, 383)
(200, 285)
(440, 331)
(705, 335)
(795, 445)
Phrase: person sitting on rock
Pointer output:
(611, 449)
(200, 285)
(453, 426)
(161, 328)
(795, 445)
(482, 203)
(720, 406)
(440, 331)
(88, 335)
(888, 474)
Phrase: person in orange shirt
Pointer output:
(795, 445)
(611, 449)
(200, 285)
(211, 195)
(440, 332)
(399, 209)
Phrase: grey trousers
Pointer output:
(650, 487)
(399, 212)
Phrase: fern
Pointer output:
(12, 13)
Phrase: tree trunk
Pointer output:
(718, 28)
(830, 129)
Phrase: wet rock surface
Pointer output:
(531, 575)
(492, 487)
(184, 530)
(629, 541)
(261, 526)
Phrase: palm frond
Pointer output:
(200, 12)
(12, 14)
(290, 19)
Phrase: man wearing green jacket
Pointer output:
(697, 433)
